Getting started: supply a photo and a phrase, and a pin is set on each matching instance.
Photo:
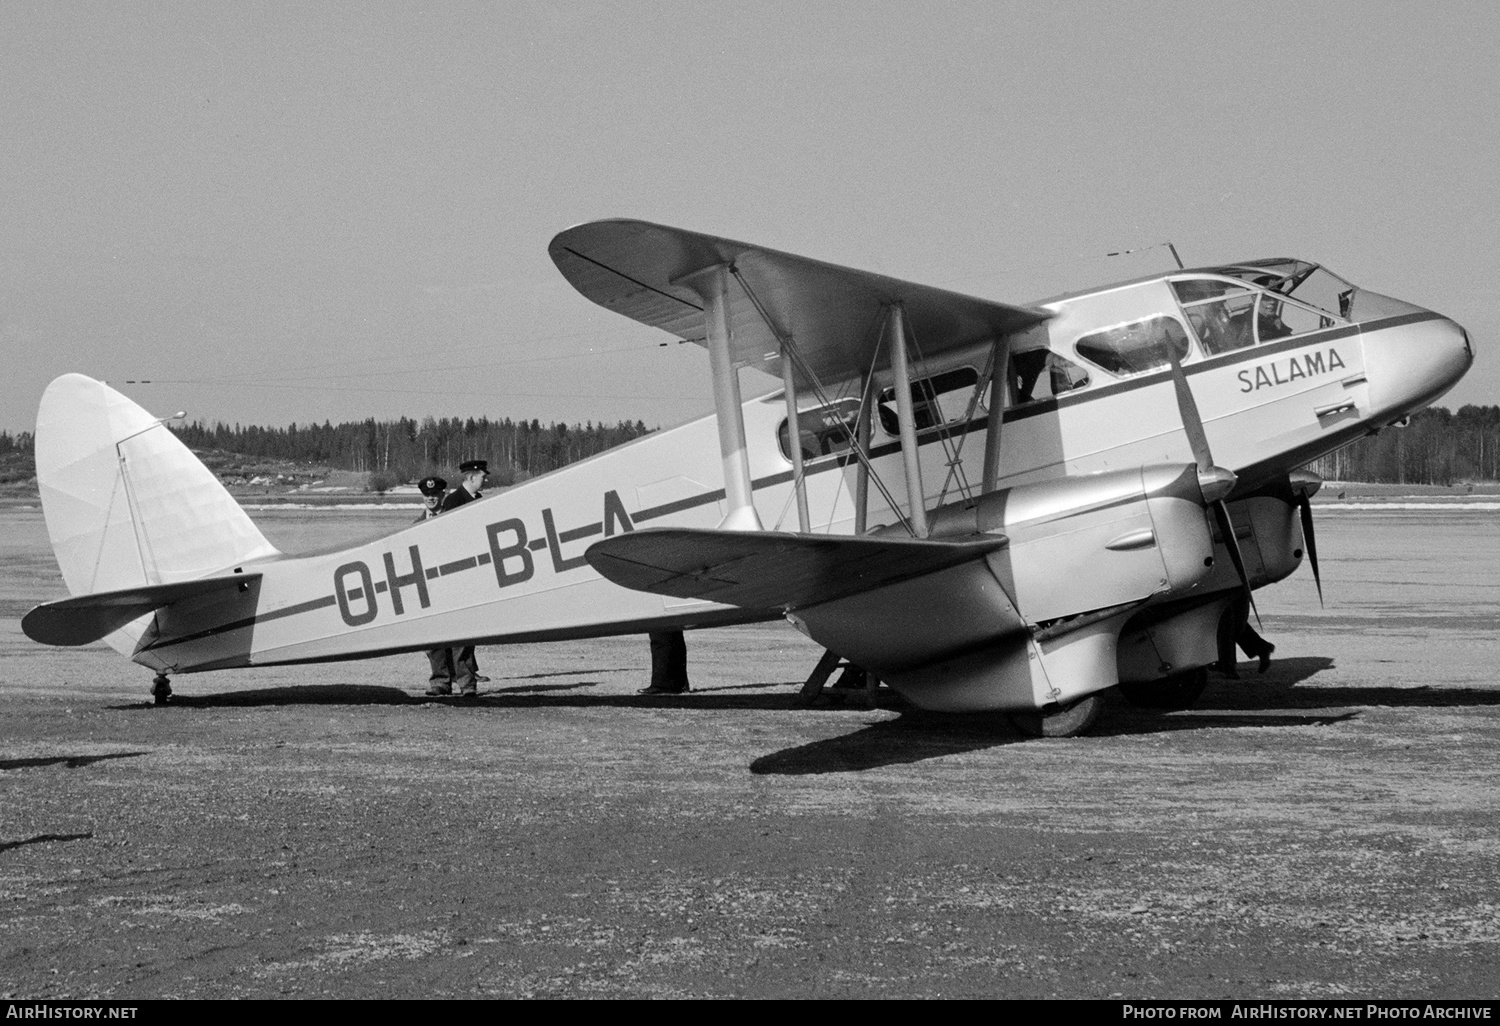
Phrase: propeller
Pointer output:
(1214, 481)
(1304, 485)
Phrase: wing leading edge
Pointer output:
(831, 313)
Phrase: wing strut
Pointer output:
(916, 496)
(999, 375)
(859, 439)
(794, 434)
(862, 444)
(712, 284)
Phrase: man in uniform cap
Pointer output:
(432, 489)
(474, 472)
(465, 667)
(440, 681)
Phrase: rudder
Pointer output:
(126, 503)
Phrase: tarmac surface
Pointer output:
(1326, 830)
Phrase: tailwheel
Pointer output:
(161, 689)
(1169, 694)
(1059, 721)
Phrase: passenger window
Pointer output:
(1042, 374)
(823, 430)
(940, 399)
(1135, 347)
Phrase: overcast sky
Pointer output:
(310, 211)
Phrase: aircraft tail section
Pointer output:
(127, 505)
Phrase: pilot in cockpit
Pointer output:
(1268, 322)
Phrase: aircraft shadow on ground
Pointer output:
(347, 694)
(1278, 690)
(914, 736)
(523, 696)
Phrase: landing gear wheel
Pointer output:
(161, 689)
(1066, 721)
(1169, 694)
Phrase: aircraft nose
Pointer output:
(1410, 365)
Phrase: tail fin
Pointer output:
(127, 505)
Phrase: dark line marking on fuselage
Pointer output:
(276, 614)
(678, 505)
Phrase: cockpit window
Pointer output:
(1041, 374)
(1323, 289)
(1222, 313)
(823, 430)
(1135, 347)
(940, 399)
(1226, 316)
(1311, 283)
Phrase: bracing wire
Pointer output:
(822, 396)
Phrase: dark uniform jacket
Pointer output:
(457, 498)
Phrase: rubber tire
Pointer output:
(1068, 721)
(1172, 693)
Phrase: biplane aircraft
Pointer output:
(987, 506)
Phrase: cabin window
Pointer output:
(940, 399)
(1135, 347)
(1041, 374)
(823, 430)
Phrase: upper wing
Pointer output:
(767, 570)
(86, 618)
(831, 313)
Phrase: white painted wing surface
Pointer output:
(832, 313)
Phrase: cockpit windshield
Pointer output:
(1311, 283)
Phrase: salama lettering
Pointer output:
(1278, 372)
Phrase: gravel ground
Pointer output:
(1325, 830)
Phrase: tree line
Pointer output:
(405, 450)
(1438, 447)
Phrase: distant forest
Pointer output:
(392, 452)
(402, 451)
(1438, 447)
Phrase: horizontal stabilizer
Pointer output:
(768, 570)
(642, 271)
(87, 618)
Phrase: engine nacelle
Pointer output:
(1085, 553)
(1167, 639)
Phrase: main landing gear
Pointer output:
(1059, 721)
(161, 689)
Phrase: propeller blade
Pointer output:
(1192, 421)
(1304, 504)
(1226, 528)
